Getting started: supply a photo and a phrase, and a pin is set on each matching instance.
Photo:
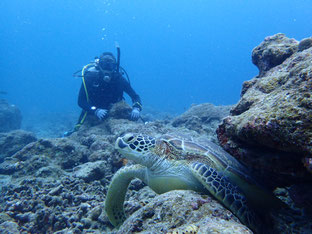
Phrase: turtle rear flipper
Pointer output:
(227, 193)
(117, 191)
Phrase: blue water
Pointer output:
(176, 52)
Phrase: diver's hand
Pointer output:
(101, 113)
(135, 113)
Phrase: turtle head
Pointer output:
(136, 147)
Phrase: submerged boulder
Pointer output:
(273, 51)
(14, 141)
(270, 128)
(10, 117)
(304, 44)
(183, 212)
(120, 110)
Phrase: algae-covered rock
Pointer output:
(305, 43)
(273, 51)
(182, 211)
(9, 227)
(270, 128)
(62, 151)
(120, 110)
(90, 171)
(14, 141)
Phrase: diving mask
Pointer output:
(107, 63)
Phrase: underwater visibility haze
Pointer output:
(251, 162)
(176, 52)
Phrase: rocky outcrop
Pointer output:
(14, 141)
(91, 171)
(273, 51)
(305, 44)
(10, 117)
(120, 110)
(270, 128)
(183, 212)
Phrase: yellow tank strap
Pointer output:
(83, 80)
(78, 125)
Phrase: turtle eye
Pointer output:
(128, 137)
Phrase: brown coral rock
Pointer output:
(273, 117)
(273, 51)
(304, 44)
(182, 211)
(14, 141)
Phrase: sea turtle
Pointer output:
(168, 163)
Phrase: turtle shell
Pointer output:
(181, 148)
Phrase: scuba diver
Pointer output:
(102, 85)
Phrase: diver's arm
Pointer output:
(136, 100)
(82, 100)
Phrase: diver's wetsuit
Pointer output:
(103, 94)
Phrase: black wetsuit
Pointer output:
(103, 94)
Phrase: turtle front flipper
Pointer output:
(117, 191)
(226, 192)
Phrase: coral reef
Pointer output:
(58, 185)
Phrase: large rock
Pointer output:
(90, 171)
(10, 117)
(14, 141)
(62, 152)
(270, 128)
(120, 110)
(9, 227)
(273, 51)
(182, 212)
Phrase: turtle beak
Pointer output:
(120, 143)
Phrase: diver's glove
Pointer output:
(135, 113)
(100, 113)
